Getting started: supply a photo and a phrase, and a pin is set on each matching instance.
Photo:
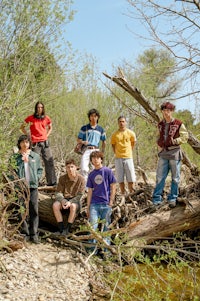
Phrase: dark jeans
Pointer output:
(43, 149)
(32, 228)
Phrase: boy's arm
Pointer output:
(183, 136)
(103, 146)
(112, 194)
(89, 197)
(49, 129)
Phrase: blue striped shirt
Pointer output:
(92, 135)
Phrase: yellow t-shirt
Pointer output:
(123, 142)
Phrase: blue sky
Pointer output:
(104, 29)
(101, 28)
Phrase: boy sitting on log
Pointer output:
(70, 188)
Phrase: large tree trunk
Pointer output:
(185, 216)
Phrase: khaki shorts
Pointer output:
(75, 200)
(125, 168)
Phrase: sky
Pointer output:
(104, 29)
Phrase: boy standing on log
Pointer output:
(123, 142)
(90, 135)
(70, 188)
(172, 133)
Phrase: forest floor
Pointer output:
(52, 271)
(46, 272)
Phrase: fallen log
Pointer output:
(47, 188)
(166, 222)
(45, 209)
(151, 226)
(134, 217)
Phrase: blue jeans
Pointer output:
(164, 166)
(100, 212)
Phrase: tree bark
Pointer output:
(165, 223)
(46, 211)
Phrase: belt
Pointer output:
(91, 147)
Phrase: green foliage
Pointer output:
(153, 75)
(29, 69)
(164, 278)
(33, 68)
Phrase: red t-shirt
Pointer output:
(38, 128)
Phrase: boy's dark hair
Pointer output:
(23, 138)
(36, 105)
(93, 111)
(96, 154)
(70, 161)
(167, 105)
(121, 116)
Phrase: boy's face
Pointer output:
(167, 113)
(24, 145)
(93, 118)
(97, 162)
(122, 123)
(71, 170)
(39, 109)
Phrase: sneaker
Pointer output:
(34, 239)
(155, 206)
(63, 233)
(58, 233)
(27, 238)
(172, 204)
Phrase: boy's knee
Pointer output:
(56, 205)
(73, 207)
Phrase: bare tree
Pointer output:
(175, 26)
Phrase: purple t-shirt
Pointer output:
(99, 180)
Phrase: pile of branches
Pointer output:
(128, 210)
(14, 204)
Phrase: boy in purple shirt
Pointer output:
(101, 185)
